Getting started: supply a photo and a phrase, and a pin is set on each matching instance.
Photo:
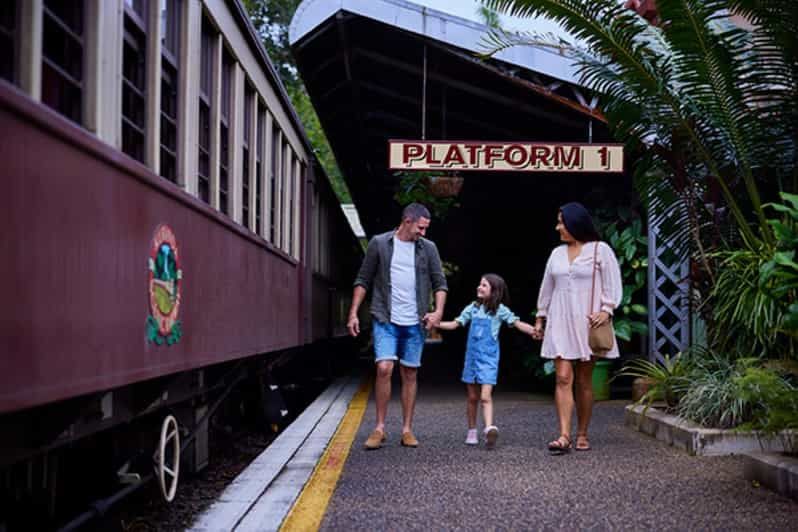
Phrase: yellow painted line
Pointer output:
(310, 506)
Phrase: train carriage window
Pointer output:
(318, 233)
(169, 123)
(224, 132)
(292, 178)
(170, 29)
(206, 84)
(328, 214)
(9, 43)
(323, 237)
(316, 204)
(259, 167)
(204, 148)
(62, 57)
(273, 185)
(301, 182)
(134, 86)
(170, 52)
(248, 94)
(283, 185)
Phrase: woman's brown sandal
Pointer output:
(582, 443)
(561, 445)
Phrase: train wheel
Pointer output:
(167, 458)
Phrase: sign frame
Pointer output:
(484, 156)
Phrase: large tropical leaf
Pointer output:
(696, 93)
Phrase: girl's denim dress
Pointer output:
(482, 348)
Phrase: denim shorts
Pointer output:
(398, 342)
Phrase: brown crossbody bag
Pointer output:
(601, 338)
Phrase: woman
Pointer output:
(564, 303)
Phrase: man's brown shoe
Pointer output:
(375, 440)
(408, 440)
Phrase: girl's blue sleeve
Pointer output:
(465, 317)
(506, 315)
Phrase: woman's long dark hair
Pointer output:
(498, 293)
(579, 223)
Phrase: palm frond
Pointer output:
(499, 39)
(711, 61)
(630, 63)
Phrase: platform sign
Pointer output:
(504, 156)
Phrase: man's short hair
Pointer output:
(414, 211)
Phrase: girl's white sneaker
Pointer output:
(471, 437)
(491, 435)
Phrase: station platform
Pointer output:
(321, 477)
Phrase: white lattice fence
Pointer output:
(668, 305)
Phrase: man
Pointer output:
(403, 268)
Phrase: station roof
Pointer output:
(382, 69)
(431, 23)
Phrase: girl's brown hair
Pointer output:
(498, 293)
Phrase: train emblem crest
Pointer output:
(165, 283)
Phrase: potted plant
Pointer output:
(665, 381)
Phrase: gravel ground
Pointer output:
(628, 480)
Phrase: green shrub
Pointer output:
(712, 397)
(779, 276)
(755, 297)
(773, 401)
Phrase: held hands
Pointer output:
(353, 325)
(598, 318)
(432, 319)
(537, 330)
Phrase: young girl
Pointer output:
(486, 315)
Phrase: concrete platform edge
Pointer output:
(244, 492)
(271, 509)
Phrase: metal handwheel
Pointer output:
(167, 467)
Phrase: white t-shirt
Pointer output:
(404, 309)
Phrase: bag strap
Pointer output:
(593, 285)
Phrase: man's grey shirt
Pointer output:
(376, 273)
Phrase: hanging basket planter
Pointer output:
(444, 186)
(436, 191)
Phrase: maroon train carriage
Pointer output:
(166, 234)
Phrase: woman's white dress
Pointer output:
(564, 299)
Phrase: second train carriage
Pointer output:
(162, 216)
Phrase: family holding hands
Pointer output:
(580, 289)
